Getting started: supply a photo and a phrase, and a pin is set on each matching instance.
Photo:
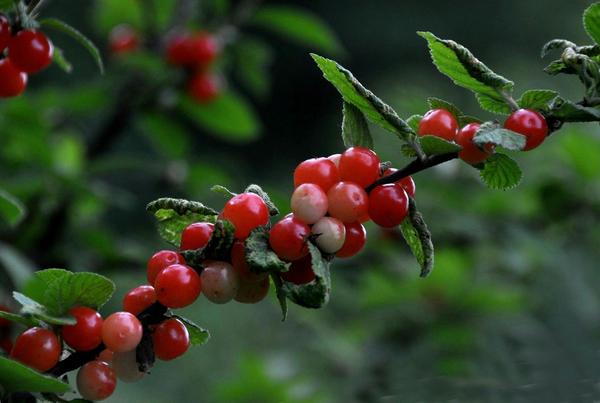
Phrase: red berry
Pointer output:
(309, 203)
(359, 165)
(246, 211)
(86, 334)
(388, 205)
(288, 238)
(335, 158)
(196, 236)
(126, 367)
(238, 261)
(139, 299)
(12, 80)
(300, 271)
(219, 281)
(37, 348)
(121, 332)
(320, 171)
(188, 50)
(170, 339)
(30, 51)
(330, 234)
(106, 356)
(177, 286)
(470, 152)
(5, 32)
(407, 183)
(5, 323)
(348, 202)
(204, 87)
(356, 237)
(123, 39)
(6, 344)
(530, 124)
(161, 260)
(251, 292)
(96, 380)
(440, 123)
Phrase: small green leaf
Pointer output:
(493, 105)
(417, 236)
(568, 111)
(273, 210)
(259, 255)
(38, 311)
(198, 335)
(22, 319)
(591, 21)
(298, 25)
(254, 57)
(501, 172)
(466, 119)
(493, 133)
(459, 64)
(374, 109)
(16, 377)
(436, 103)
(78, 36)
(281, 297)
(556, 44)
(316, 293)
(229, 117)
(537, 99)
(11, 209)
(434, 145)
(558, 66)
(59, 58)
(355, 130)
(413, 121)
(228, 194)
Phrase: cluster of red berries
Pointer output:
(25, 52)
(441, 123)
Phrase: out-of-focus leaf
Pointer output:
(60, 59)
(18, 267)
(255, 58)
(591, 22)
(16, 377)
(12, 210)
(110, 13)
(166, 135)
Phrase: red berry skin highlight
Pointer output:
(246, 211)
(139, 299)
(86, 334)
(388, 205)
(359, 165)
(170, 339)
(440, 123)
(470, 152)
(356, 237)
(196, 235)
(320, 171)
(161, 260)
(37, 348)
(177, 286)
(121, 332)
(348, 202)
(30, 51)
(288, 238)
(96, 380)
(12, 80)
(530, 124)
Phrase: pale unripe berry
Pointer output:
(121, 332)
(126, 367)
(330, 234)
(220, 282)
(96, 381)
(309, 203)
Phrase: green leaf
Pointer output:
(166, 134)
(6, 5)
(78, 36)
(591, 21)
(493, 133)
(22, 319)
(229, 117)
(459, 64)
(198, 335)
(217, 248)
(16, 377)
(558, 66)
(31, 308)
(466, 119)
(173, 215)
(413, 121)
(434, 145)
(273, 210)
(501, 172)
(59, 58)
(11, 209)
(110, 13)
(254, 57)
(436, 103)
(417, 236)
(298, 25)
(259, 255)
(556, 44)
(537, 99)
(374, 109)
(228, 194)
(355, 130)
(493, 105)
(316, 293)
(568, 111)
(281, 297)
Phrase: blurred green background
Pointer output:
(510, 312)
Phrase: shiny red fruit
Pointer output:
(30, 51)
(4, 323)
(246, 211)
(407, 182)
(196, 235)
(121, 331)
(192, 49)
(440, 123)
(288, 238)
(470, 152)
(5, 32)
(348, 202)
(300, 271)
(388, 205)
(177, 286)
(170, 339)
(359, 165)
(37, 348)
(139, 299)
(12, 80)
(96, 381)
(161, 260)
(251, 292)
(530, 124)
(204, 87)
(86, 334)
(123, 39)
(320, 171)
(356, 237)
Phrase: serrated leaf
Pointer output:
(436, 103)
(493, 105)
(218, 246)
(16, 377)
(298, 25)
(466, 119)
(591, 21)
(273, 210)
(464, 69)
(259, 255)
(434, 145)
(355, 130)
(537, 99)
(59, 58)
(417, 236)
(78, 36)
(568, 111)
(492, 133)
(222, 190)
(229, 117)
(198, 335)
(281, 297)
(558, 66)
(12, 210)
(501, 172)
(316, 293)
(374, 109)
(173, 215)
(32, 308)
(413, 121)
